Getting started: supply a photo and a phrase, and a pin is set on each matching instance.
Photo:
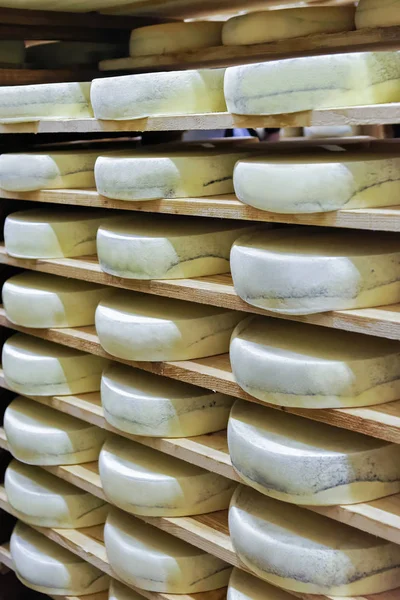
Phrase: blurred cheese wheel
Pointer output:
(167, 38)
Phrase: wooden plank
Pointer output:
(5, 556)
(25, 76)
(387, 38)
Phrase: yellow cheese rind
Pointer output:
(306, 271)
(40, 435)
(154, 560)
(307, 185)
(158, 94)
(313, 82)
(41, 499)
(377, 13)
(286, 457)
(274, 25)
(148, 328)
(41, 300)
(307, 553)
(47, 567)
(119, 591)
(145, 404)
(46, 101)
(168, 38)
(243, 586)
(303, 366)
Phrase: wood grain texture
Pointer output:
(25, 76)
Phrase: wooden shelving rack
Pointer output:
(209, 532)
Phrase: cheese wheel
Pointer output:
(146, 482)
(46, 233)
(119, 591)
(138, 178)
(274, 25)
(331, 131)
(318, 184)
(290, 459)
(305, 366)
(156, 247)
(168, 38)
(145, 404)
(35, 367)
(149, 328)
(44, 566)
(45, 101)
(12, 52)
(158, 94)
(305, 271)
(56, 55)
(377, 13)
(154, 560)
(243, 586)
(43, 500)
(307, 553)
(40, 435)
(313, 82)
(40, 300)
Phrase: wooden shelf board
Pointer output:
(30, 76)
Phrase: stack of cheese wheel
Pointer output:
(46, 101)
(309, 270)
(164, 247)
(168, 38)
(313, 82)
(43, 500)
(377, 13)
(149, 328)
(289, 458)
(40, 435)
(36, 367)
(307, 553)
(40, 300)
(158, 94)
(157, 561)
(271, 26)
(56, 55)
(46, 567)
(145, 404)
(243, 586)
(305, 366)
(320, 183)
(52, 233)
(146, 482)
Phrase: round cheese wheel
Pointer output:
(313, 82)
(158, 94)
(119, 591)
(290, 459)
(155, 177)
(154, 560)
(273, 25)
(12, 52)
(44, 500)
(377, 13)
(168, 38)
(44, 566)
(307, 553)
(147, 482)
(40, 435)
(155, 247)
(149, 328)
(306, 366)
(46, 233)
(56, 55)
(149, 405)
(45, 101)
(307, 270)
(35, 367)
(40, 300)
(243, 586)
(309, 185)
(331, 131)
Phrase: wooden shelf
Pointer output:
(29, 76)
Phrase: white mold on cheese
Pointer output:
(377, 13)
(313, 82)
(168, 38)
(154, 560)
(306, 366)
(35, 367)
(42, 499)
(145, 404)
(306, 553)
(304, 271)
(243, 586)
(44, 566)
(40, 435)
(142, 327)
